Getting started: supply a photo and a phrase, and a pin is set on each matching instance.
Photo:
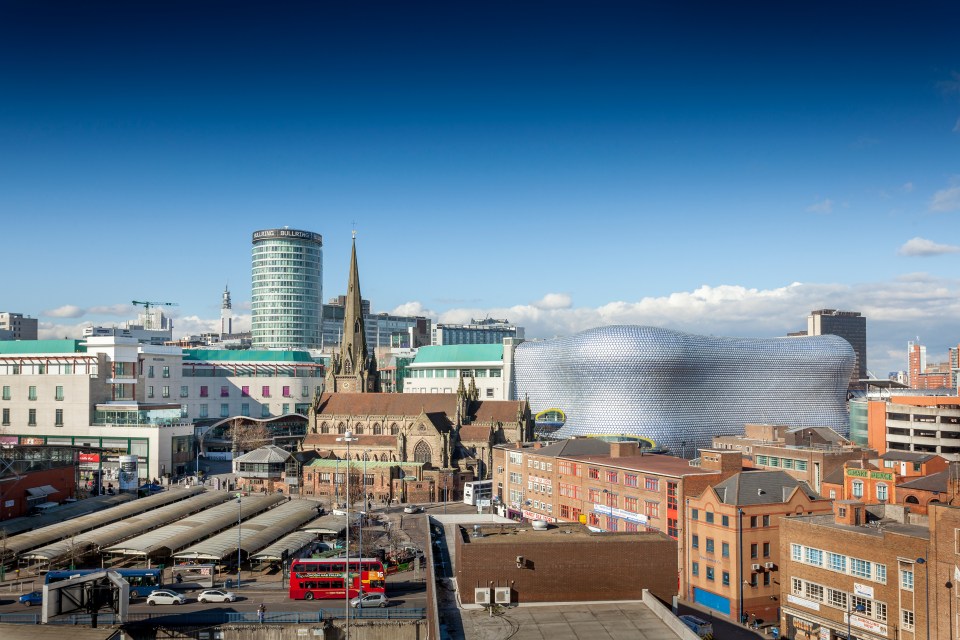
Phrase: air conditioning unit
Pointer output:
(502, 595)
(481, 596)
(769, 565)
(756, 567)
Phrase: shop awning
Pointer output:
(40, 492)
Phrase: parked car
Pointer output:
(32, 598)
(370, 600)
(165, 597)
(216, 595)
(412, 508)
(698, 625)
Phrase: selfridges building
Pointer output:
(678, 390)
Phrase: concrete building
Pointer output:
(440, 369)
(919, 423)
(733, 537)
(809, 454)
(564, 563)
(382, 329)
(486, 331)
(849, 325)
(287, 296)
(20, 327)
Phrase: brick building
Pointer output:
(733, 537)
(919, 494)
(858, 559)
(32, 476)
(564, 563)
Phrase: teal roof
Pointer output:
(8, 347)
(460, 353)
(371, 464)
(247, 355)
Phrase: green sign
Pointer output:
(858, 473)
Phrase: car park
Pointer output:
(165, 597)
(216, 595)
(412, 508)
(699, 626)
(370, 600)
(32, 598)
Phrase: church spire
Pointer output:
(353, 345)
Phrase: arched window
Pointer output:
(421, 453)
(358, 428)
(341, 428)
(377, 429)
(393, 429)
(911, 500)
(857, 489)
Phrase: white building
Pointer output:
(438, 369)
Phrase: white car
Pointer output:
(216, 595)
(412, 508)
(165, 597)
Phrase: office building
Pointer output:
(16, 326)
(924, 375)
(441, 369)
(487, 331)
(678, 390)
(287, 298)
(919, 423)
(382, 329)
(849, 325)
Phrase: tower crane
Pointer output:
(146, 309)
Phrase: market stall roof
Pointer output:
(173, 537)
(254, 534)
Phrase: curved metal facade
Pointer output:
(673, 387)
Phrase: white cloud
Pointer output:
(73, 311)
(66, 311)
(121, 310)
(824, 206)
(413, 309)
(946, 199)
(907, 187)
(921, 247)
(554, 301)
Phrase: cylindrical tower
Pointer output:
(287, 289)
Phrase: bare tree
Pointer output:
(247, 437)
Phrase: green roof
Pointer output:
(459, 353)
(371, 464)
(247, 355)
(8, 347)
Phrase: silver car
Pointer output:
(370, 600)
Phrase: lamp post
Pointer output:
(239, 538)
(926, 590)
(347, 438)
(363, 510)
(859, 609)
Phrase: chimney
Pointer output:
(624, 449)
(536, 445)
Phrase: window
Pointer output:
(265, 410)
(32, 418)
(725, 521)
(766, 521)
(58, 393)
(245, 391)
(695, 541)
(725, 549)
(710, 574)
(766, 579)
(907, 618)
(651, 509)
(672, 495)
(651, 484)
(245, 409)
(286, 392)
(203, 411)
(882, 492)
(814, 557)
(837, 598)
(906, 579)
(224, 392)
(726, 578)
(165, 392)
(796, 586)
(305, 391)
(694, 514)
(285, 409)
(813, 591)
(489, 393)
(166, 372)
(224, 410)
(150, 392)
(32, 393)
(754, 550)
(612, 476)
(860, 568)
(753, 522)
(673, 527)
(796, 552)
(836, 562)
(184, 391)
(709, 517)
(593, 474)
(6, 417)
(265, 391)
(204, 391)
(766, 549)
(709, 545)
(150, 371)
(6, 392)
(695, 568)
(881, 572)
(857, 489)
(58, 419)
(630, 479)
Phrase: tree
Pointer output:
(248, 436)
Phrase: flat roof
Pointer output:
(247, 355)
(11, 347)
(555, 533)
(875, 528)
(652, 462)
(459, 353)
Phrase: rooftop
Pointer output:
(249, 355)
(10, 347)
(908, 456)
(875, 528)
(654, 463)
(464, 353)
(510, 534)
(760, 487)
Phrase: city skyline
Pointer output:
(716, 170)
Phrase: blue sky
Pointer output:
(718, 169)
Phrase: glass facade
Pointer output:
(287, 292)
(672, 387)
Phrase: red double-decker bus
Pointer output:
(312, 578)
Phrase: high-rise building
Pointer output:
(849, 325)
(923, 375)
(287, 289)
(226, 314)
(486, 331)
(18, 326)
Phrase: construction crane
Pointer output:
(148, 319)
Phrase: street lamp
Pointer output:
(347, 438)
(859, 609)
(926, 590)
(239, 538)
(363, 511)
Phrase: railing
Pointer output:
(190, 618)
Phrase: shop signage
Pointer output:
(533, 515)
(862, 590)
(868, 625)
(872, 475)
(803, 602)
(802, 628)
(619, 513)
(31, 441)
(89, 457)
